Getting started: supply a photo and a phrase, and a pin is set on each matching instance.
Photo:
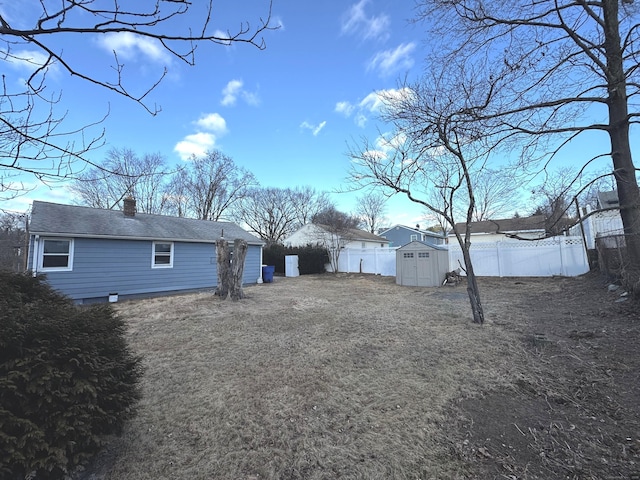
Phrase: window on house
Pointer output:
(407, 255)
(364, 245)
(414, 238)
(57, 254)
(423, 254)
(162, 255)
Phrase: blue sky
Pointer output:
(287, 113)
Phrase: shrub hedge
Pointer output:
(311, 258)
(67, 379)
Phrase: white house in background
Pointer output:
(608, 222)
(601, 223)
(503, 229)
(321, 235)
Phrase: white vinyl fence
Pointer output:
(540, 258)
(381, 261)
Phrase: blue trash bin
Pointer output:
(267, 273)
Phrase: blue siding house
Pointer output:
(400, 235)
(92, 255)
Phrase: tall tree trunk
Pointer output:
(240, 248)
(624, 171)
(472, 287)
(224, 268)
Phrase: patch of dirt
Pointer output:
(575, 413)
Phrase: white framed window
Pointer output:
(162, 256)
(414, 237)
(56, 255)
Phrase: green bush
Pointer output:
(67, 378)
(311, 258)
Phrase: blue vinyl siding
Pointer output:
(402, 236)
(103, 266)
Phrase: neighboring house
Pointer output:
(608, 222)
(503, 229)
(400, 235)
(318, 234)
(92, 254)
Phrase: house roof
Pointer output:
(505, 225)
(357, 234)
(608, 199)
(416, 230)
(75, 221)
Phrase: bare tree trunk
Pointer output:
(472, 288)
(624, 171)
(224, 268)
(240, 248)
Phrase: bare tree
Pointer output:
(209, 187)
(230, 268)
(275, 213)
(335, 231)
(123, 174)
(32, 135)
(496, 193)
(554, 63)
(437, 148)
(370, 208)
(307, 202)
(13, 241)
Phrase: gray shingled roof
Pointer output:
(74, 221)
(608, 199)
(522, 224)
(357, 234)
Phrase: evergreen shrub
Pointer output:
(67, 379)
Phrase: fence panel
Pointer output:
(381, 261)
(541, 258)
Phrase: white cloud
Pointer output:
(315, 129)
(233, 90)
(196, 144)
(29, 60)
(355, 21)
(223, 37)
(230, 92)
(213, 122)
(129, 46)
(211, 127)
(370, 105)
(389, 62)
(345, 108)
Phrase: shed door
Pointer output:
(425, 269)
(409, 270)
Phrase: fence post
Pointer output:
(499, 256)
(561, 242)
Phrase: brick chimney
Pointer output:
(129, 207)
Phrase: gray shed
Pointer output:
(421, 265)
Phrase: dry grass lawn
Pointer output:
(315, 377)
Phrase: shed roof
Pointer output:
(76, 221)
(416, 244)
